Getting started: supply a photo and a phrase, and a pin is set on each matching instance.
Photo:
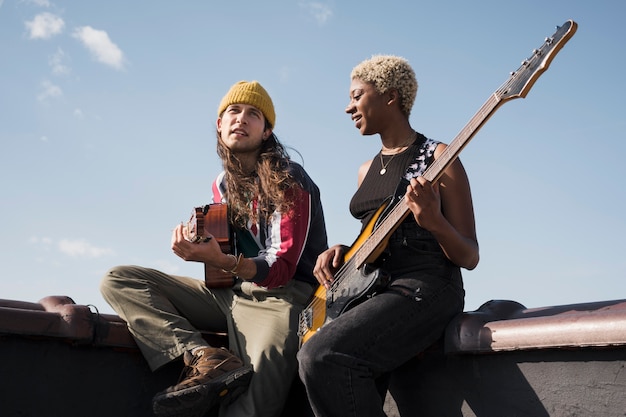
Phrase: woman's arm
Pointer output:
(446, 210)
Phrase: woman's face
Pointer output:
(367, 107)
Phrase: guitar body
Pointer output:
(212, 220)
(356, 280)
(350, 287)
(327, 305)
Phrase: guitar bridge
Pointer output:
(305, 322)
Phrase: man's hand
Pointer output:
(208, 251)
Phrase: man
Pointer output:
(278, 222)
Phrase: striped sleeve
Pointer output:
(219, 188)
(286, 240)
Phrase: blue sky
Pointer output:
(108, 112)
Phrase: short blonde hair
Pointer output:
(387, 72)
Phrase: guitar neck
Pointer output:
(452, 151)
(434, 171)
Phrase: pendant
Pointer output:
(382, 171)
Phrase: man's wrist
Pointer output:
(236, 261)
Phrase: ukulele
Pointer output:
(212, 220)
(356, 280)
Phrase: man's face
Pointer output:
(242, 128)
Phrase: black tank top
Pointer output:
(376, 188)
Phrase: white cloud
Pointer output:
(100, 46)
(56, 63)
(82, 248)
(321, 12)
(41, 3)
(78, 113)
(49, 91)
(45, 25)
(72, 247)
(42, 240)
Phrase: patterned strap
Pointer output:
(422, 158)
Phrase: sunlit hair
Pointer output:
(388, 72)
(267, 183)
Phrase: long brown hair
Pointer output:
(267, 184)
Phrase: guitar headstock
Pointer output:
(195, 231)
(208, 222)
(522, 80)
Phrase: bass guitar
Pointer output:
(212, 220)
(355, 280)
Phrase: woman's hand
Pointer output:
(424, 200)
(328, 262)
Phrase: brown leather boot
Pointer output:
(211, 376)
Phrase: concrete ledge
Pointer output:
(60, 318)
(500, 360)
(61, 359)
(501, 325)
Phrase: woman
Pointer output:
(342, 365)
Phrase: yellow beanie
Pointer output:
(251, 93)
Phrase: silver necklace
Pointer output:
(385, 165)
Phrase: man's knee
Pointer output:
(111, 281)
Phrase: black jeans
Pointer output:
(341, 363)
